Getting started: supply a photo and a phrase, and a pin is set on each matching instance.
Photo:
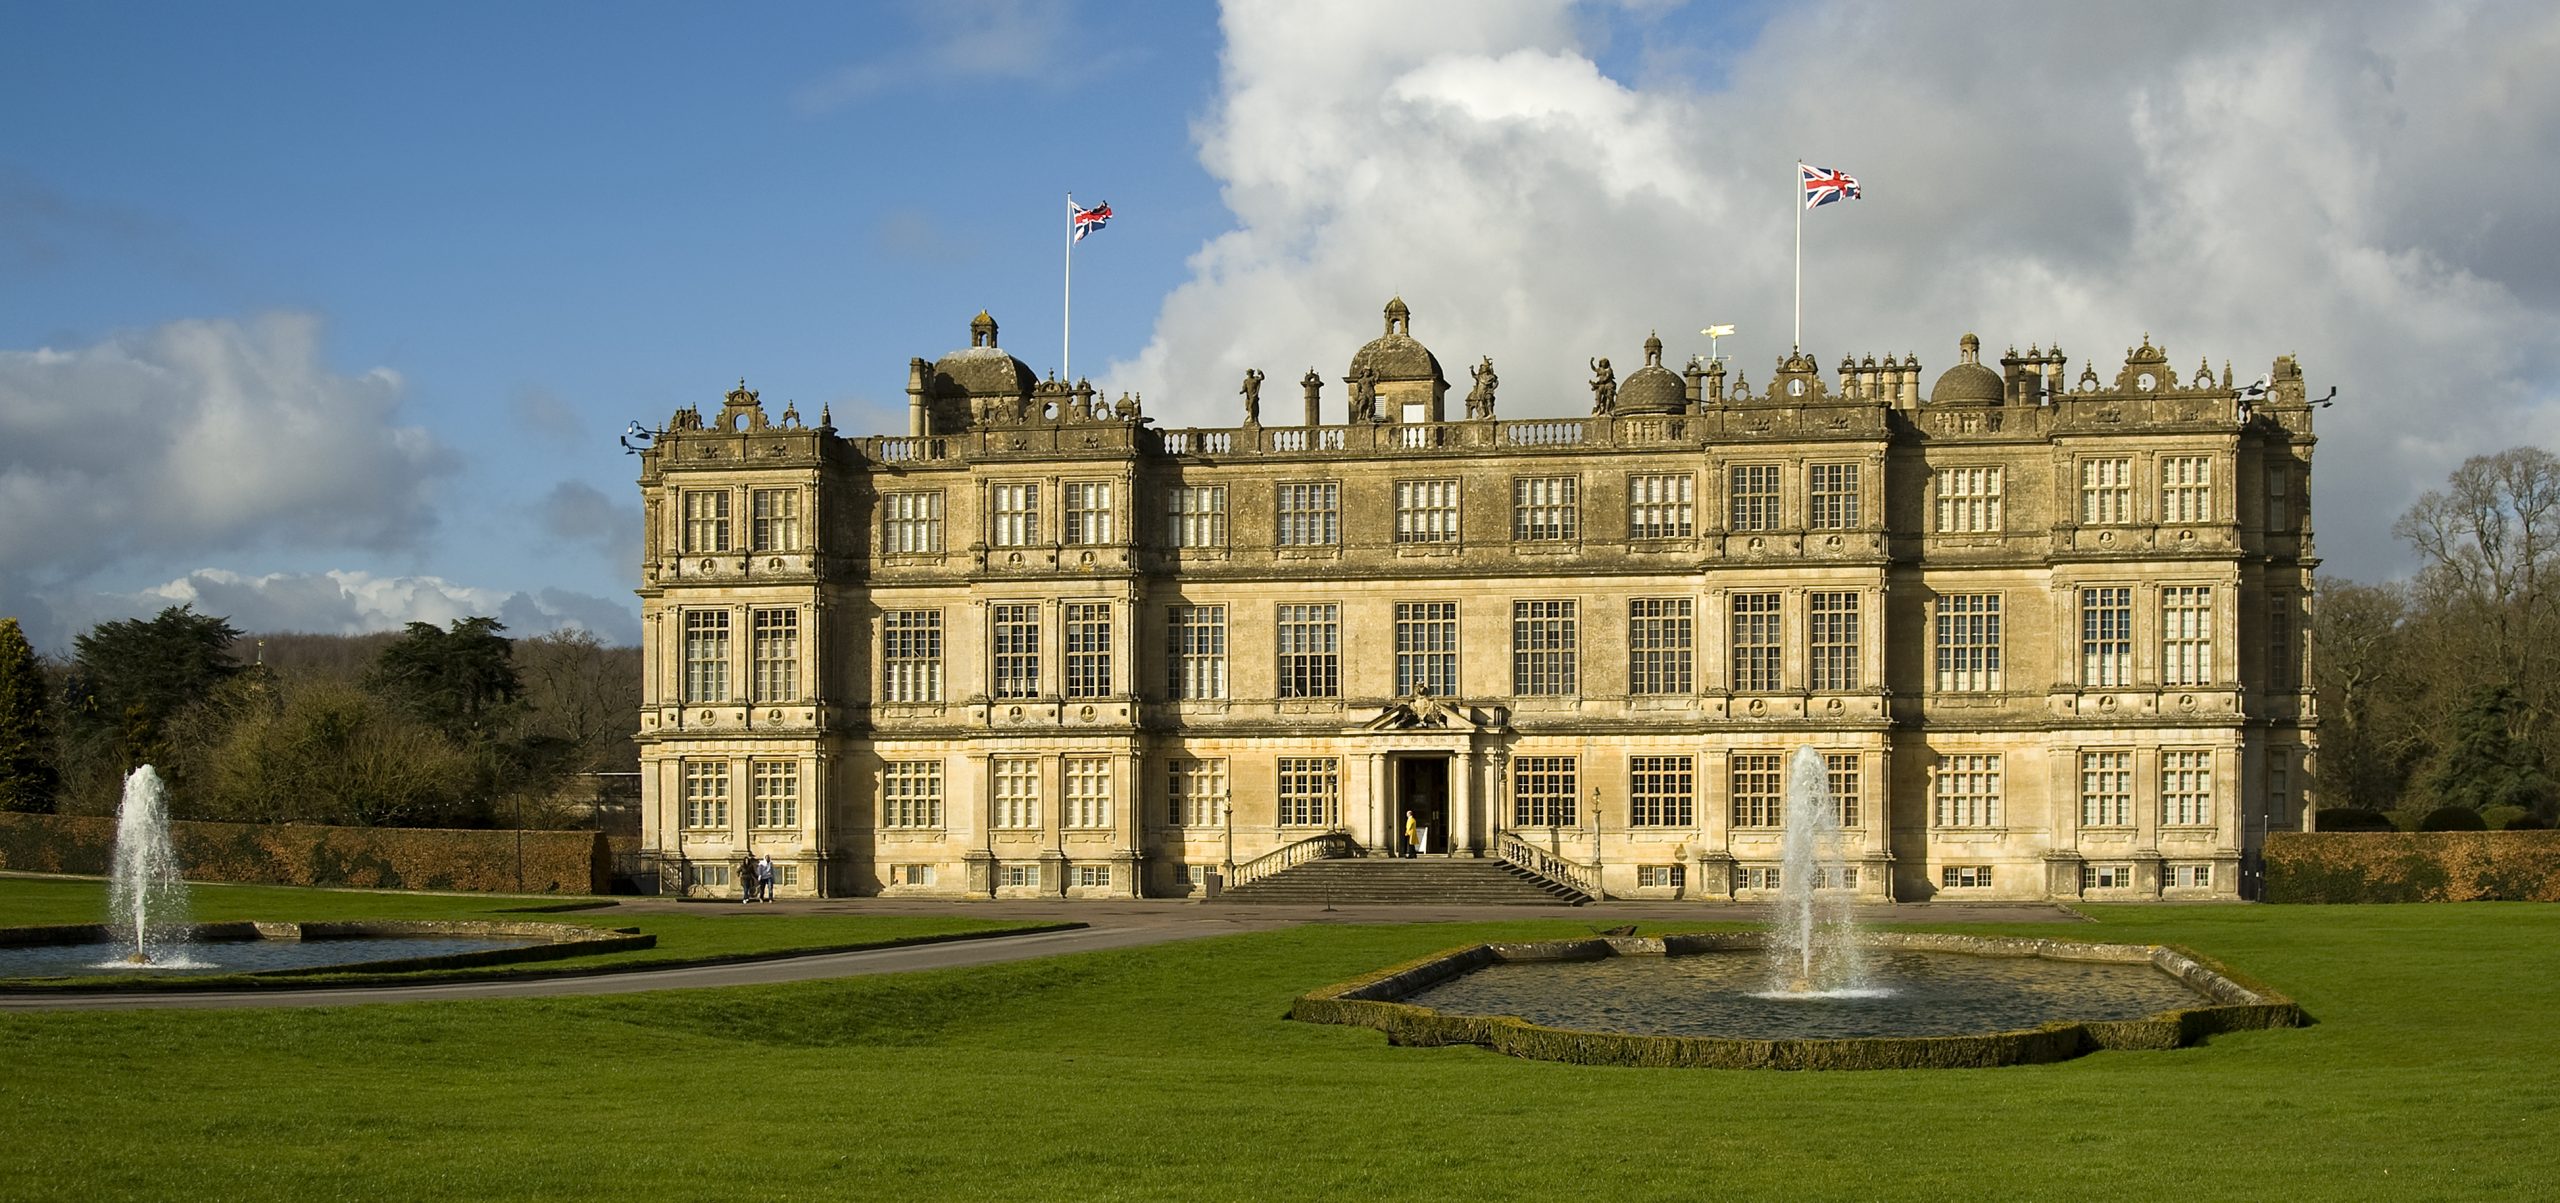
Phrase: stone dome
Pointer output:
(1653, 388)
(1394, 354)
(982, 370)
(1968, 381)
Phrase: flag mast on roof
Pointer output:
(1080, 222)
(1820, 186)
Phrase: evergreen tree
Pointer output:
(2484, 765)
(27, 776)
(456, 679)
(133, 676)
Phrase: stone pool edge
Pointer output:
(1371, 1001)
(559, 941)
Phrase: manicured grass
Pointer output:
(713, 933)
(1166, 1073)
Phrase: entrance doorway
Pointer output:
(1422, 787)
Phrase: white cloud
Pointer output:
(199, 436)
(976, 40)
(2237, 181)
(330, 603)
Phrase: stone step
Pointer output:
(1389, 881)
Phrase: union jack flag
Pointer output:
(1822, 186)
(1086, 221)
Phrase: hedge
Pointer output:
(391, 858)
(2416, 866)
(1374, 1001)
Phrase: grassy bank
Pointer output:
(1167, 1073)
(713, 933)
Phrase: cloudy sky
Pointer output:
(326, 317)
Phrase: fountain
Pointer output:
(1801, 993)
(146, 897)
(147, 927)
(1813, 945)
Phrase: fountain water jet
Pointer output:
(146, 898)
(1813, 948)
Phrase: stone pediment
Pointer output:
(1425, 712)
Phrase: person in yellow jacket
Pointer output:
(1411, 829)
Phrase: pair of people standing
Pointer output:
(757, 877)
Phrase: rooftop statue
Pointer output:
(1604, 387)
(1480, 398)
(1252, 391)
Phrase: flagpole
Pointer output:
(1799, 203)
(1067, 306)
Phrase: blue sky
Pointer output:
(448, 251)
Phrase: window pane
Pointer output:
(1661, 791)
(1310, 650)
(911, 655)
(1661, 507)
(1969, 643)
(1546, 507)
(1426, 511)
(1014, 649)
(1753, 497)
(1197, 651)
(706, 655)
(1545, 636)
(1427, 648)
(1088, 647)
(1661, 633)
(1544, 791)
(1757, 656)
(1832, 490)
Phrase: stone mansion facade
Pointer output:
(2050, 635)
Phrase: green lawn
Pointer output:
(1166, 1074)
(710, 934)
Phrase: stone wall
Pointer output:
(552, 862)
(2413, 866)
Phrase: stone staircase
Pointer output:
(1389, 881)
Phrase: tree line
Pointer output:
(2438, 694)
(456, 726)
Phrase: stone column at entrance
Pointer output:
(1382, 809)
(1466, 833)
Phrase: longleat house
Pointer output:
(2049, 633)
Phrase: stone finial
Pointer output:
(1653, 349)
(982, 330)
(1969, 349)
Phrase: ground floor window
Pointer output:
(1661, 877)
(706, 793)
(1965, 877)
(1757, 877)
(1195, 875)
(1843, 878)
(910, 875)
(1543, 791)
(1093, 877)
(707, 875)
(1198, 788)
(2192, 877)
(1017, 876)
(1310, 791)
(2106, 877)
(1660, 790)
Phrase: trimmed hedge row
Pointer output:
(2413, 866)
(390, 858)
(1373, 1001)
